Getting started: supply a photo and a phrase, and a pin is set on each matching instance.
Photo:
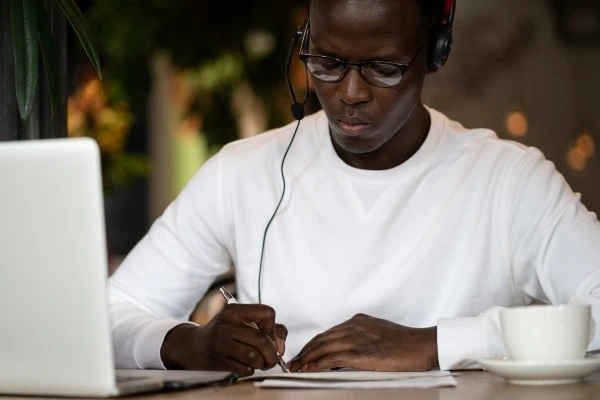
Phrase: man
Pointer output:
(399, 238)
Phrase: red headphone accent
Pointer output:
(447, 9)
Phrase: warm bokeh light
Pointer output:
(259, 44)
(586, 144)
(90, 114)
(576, 160)
(517, 124)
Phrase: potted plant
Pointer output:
(31, 37)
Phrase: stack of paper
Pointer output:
(352, 379)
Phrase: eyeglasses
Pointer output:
(381, 74)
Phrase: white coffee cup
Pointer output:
(543, 333)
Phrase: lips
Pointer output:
(352, 126)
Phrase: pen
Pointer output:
(231, 300)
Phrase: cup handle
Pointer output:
(592, 330)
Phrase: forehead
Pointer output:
(365, 28)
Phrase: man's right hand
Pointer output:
(227, 342)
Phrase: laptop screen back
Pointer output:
(55, 335)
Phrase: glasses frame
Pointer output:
(304, 56)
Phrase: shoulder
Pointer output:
(482, 142)
(274, 142)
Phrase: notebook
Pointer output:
(55, 337)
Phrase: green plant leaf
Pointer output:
(23, 26)
(79, 25)
(48, 55)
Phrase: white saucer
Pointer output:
(541, 373)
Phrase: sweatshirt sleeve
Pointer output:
(554, 248)
(161, 280)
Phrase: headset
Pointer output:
(441, 45)
(441, 41)
(297, 109)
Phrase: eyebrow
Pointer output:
(391, 59)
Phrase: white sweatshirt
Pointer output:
(467, 225)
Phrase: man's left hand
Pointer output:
(369, 343)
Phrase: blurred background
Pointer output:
(184, 77)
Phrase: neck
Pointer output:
(402, 146)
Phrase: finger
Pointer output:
(261, 315)
(240, 352)
(322, 349)
(250, 357)
(344, 359)
(267, 321)
(336, 333)
(237, 367)
(262, 352)
(281, 333)
(339, 331)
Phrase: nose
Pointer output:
(353, 89)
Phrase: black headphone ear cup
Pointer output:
(441, 45)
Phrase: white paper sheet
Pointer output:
(350, 379)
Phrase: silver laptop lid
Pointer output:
(55, 336)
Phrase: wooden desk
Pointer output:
(471, 385)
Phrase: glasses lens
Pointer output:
(325, 68)
(382, 74)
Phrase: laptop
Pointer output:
(55, 336)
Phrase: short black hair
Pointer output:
(431, 8)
